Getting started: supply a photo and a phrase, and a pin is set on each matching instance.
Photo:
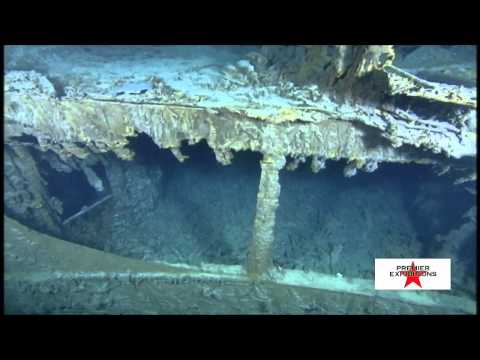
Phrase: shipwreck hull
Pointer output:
(360, 108)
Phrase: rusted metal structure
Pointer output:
(332, 102)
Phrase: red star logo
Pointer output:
(413, 276)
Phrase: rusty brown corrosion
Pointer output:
(260, 254)
(79, 127)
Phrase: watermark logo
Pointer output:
(412, 274)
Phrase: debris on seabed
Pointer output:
(86, 209)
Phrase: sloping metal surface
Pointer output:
(47, 275)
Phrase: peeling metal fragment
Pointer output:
(318, 163)
(92, 178)
(293, 165)
(223, 156)
(350, 169)
(178, 154)
(370, 166)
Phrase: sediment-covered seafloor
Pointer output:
(236, 179)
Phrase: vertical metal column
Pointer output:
(260, 252)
